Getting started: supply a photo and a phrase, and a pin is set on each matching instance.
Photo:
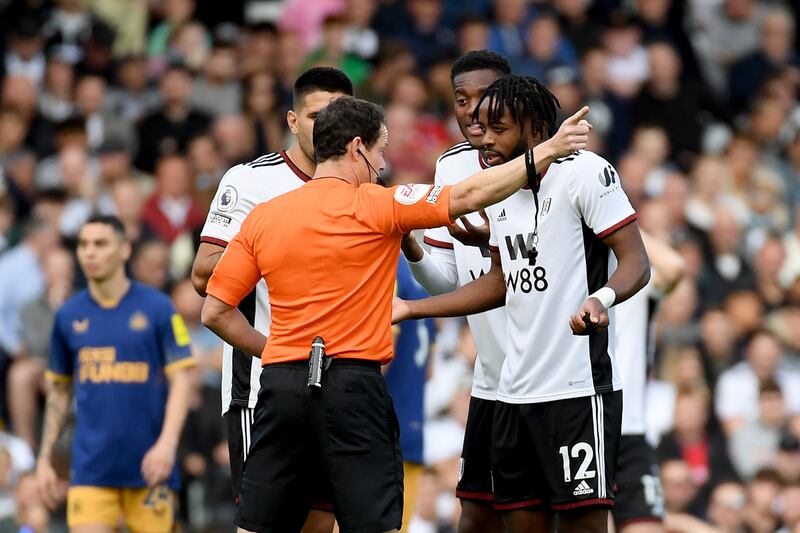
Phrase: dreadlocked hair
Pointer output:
(526, 98)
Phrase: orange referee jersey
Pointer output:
(328, 252)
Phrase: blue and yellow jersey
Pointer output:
(408, 372)
(118, 357)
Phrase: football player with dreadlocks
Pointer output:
(565, 250)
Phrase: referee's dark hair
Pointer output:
(343, 120)
(328, 79)
(526, 98)
(480, 60)
(109, 220)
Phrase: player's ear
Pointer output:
(291, 120)
(126, 251)
(355, 147)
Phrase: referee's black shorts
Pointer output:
(343, 439)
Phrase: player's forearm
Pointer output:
(55, 415)
(231, 326)
(203, 267)
(180, 391)
(633, 266)
(485, 293)
(411, 248)
(667, 264)
(492, 185)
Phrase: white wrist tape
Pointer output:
(606, 295)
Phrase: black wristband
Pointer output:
(530, 168)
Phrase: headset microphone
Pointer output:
(378, 179)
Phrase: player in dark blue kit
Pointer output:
(405, 379)
(123, 352)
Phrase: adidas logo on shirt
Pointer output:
(502, 216)
(582, 489)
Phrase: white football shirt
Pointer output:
(632, 355)
(580, 202)
(488, 329)
(241, 189)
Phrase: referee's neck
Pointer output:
(337, 169)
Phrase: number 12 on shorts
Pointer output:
(581, 449)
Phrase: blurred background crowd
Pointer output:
(137, 108)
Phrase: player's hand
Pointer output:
(572, 135)
(400, 310)
(470, 234)
(593, 312)
(157, 463)
(47, 482)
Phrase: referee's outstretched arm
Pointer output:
(492, 185)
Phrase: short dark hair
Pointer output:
(71, 125)
(769, 386)
(343, 120)
(109, 220)
(526, 98)
(327, 79)
(480, 60)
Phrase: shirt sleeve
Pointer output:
(174, 339)
(404, 208)
(228, 209)
(61, 363)
(439, 237)
(493, 241)
(437, 272)
(237, 272)
(597, 195)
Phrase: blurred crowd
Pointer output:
(138, 107)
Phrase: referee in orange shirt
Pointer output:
(328, 252)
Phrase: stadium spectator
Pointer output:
(628, 64)
(25, 56)
(234, 138)
(760, 513)
(172, 210)
(217, 91)
(333, 52)
(359, 37)
(426, 32)
(697, 442)
(257, 48)
(790, 503)
(736, 399)
(680, 107)
(546, 49)
(775, 51)
(22, 281)
(680, 490)
(726, 507)
(507, 34)
(55, 98)
(176, 13)
(754, 444)
(150, 264)
(728, 34)
(20, 93)
(725, 270)
(132, 97)
(262, 108)
(190, 44)
(580, 29)
(25, 377)
(169, 129)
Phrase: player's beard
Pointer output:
(520, 149)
